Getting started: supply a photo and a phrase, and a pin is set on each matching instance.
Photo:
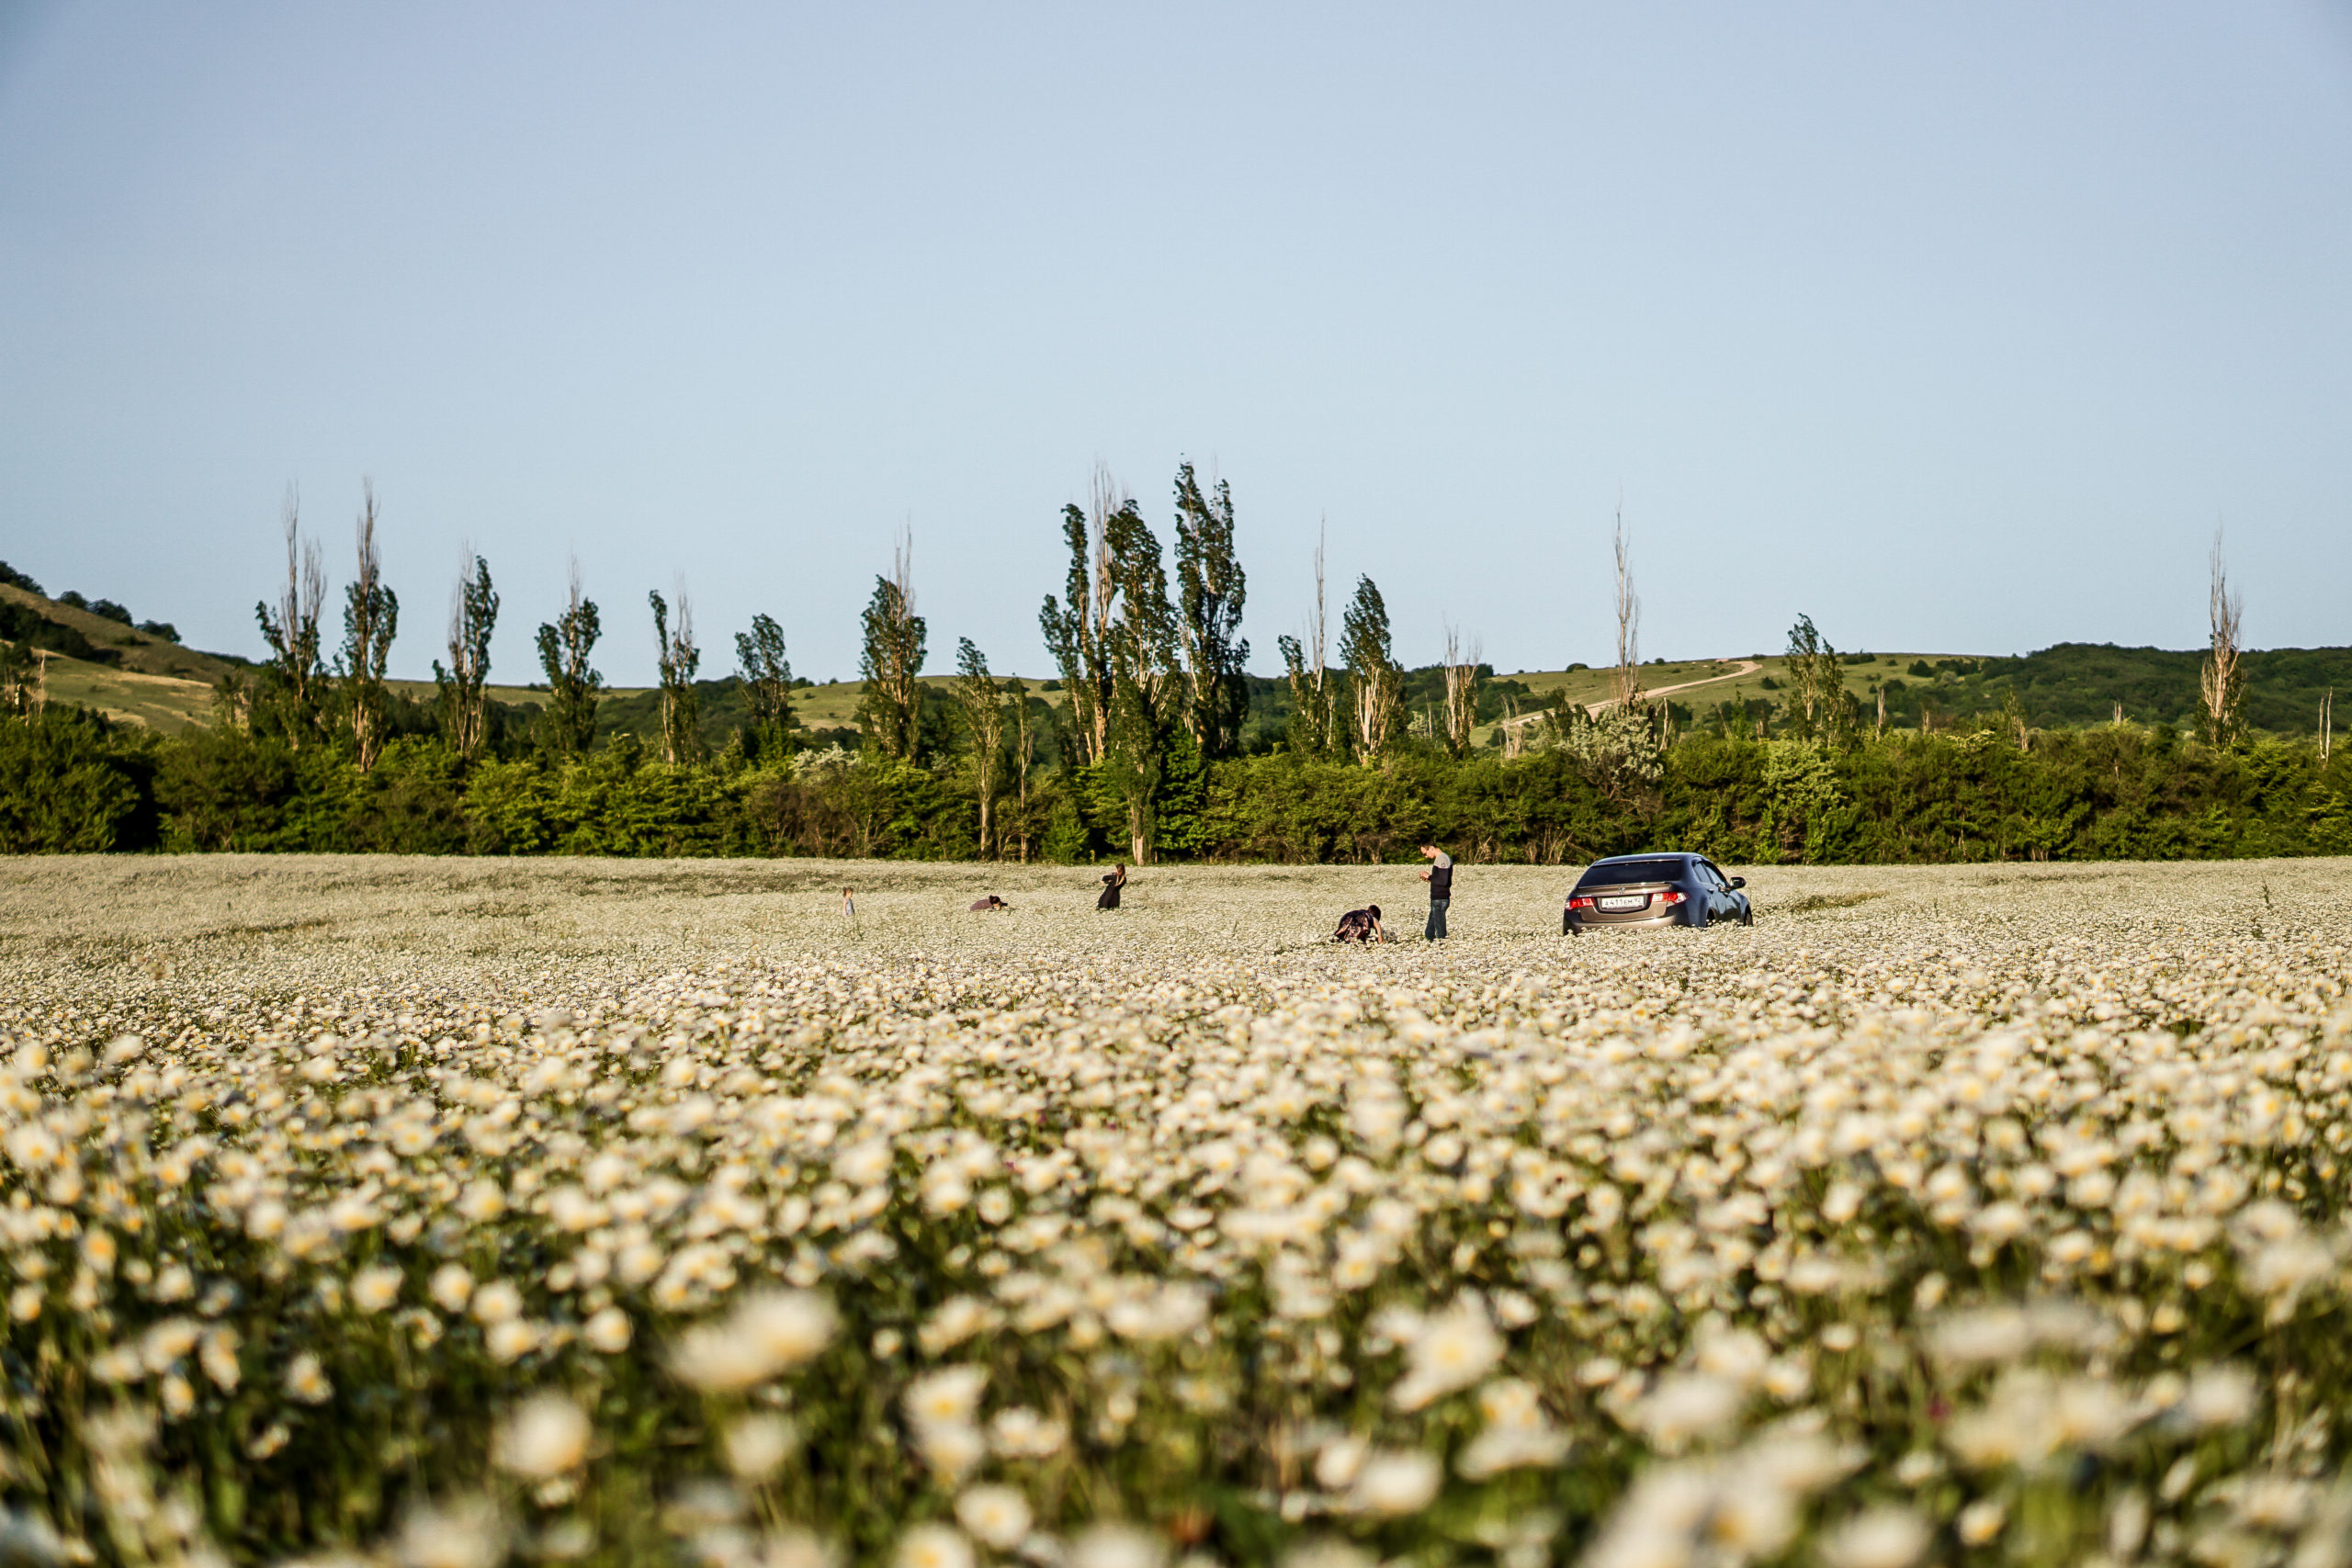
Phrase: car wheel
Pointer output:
(1747, 914)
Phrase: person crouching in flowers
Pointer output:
(1111, 882)
(1360, 925)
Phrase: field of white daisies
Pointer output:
(446, 1215)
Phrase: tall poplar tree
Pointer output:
(892, 661)
(766, 677)
(1147, 677)
(568, 724)
(1078, 633)
(293, 683)
(678, 658)
(371, 617)
(1462, 678)
(981, 703)
(1024, 754)
(1211, 587)
(1314, 730)
(1376, 686)
(1818, 706)
(2220, 681)
(473, 616)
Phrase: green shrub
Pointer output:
(70, 783)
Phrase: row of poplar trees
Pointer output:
(1155, 679)
(302, 697)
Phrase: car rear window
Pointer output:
(1618, 872)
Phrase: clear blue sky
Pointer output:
(1959, 328)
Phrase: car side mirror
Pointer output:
(1739, 882)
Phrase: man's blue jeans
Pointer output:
(1436, 927)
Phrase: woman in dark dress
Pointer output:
(1360, 925)
(1112, 883)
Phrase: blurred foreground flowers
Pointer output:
(1870, 1244)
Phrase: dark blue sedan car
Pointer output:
(1674, 889)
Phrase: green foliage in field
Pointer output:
(73, 783)
(69, 781)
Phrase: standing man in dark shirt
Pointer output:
(1440, 876)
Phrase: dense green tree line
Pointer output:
(75, 782)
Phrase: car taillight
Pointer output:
(1670, 896)
(1579, 903)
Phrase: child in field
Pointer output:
(1360, 925)
(989, 905)
(1116, 879)
(849, 905)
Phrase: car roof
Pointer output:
(1651, 854)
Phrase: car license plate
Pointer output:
(1625, 902)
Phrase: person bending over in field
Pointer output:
(1360, 925)
(1114, 880)
(989, 905)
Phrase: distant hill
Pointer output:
(27, 616)
(2073, 684)
(101, 661)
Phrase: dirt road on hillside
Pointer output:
(1747, 667)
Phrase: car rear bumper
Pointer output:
(1644, 922)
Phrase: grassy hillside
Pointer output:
(1699, 689)
(99, 640)
(513, 696)
(98, 661)
(167, 703)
